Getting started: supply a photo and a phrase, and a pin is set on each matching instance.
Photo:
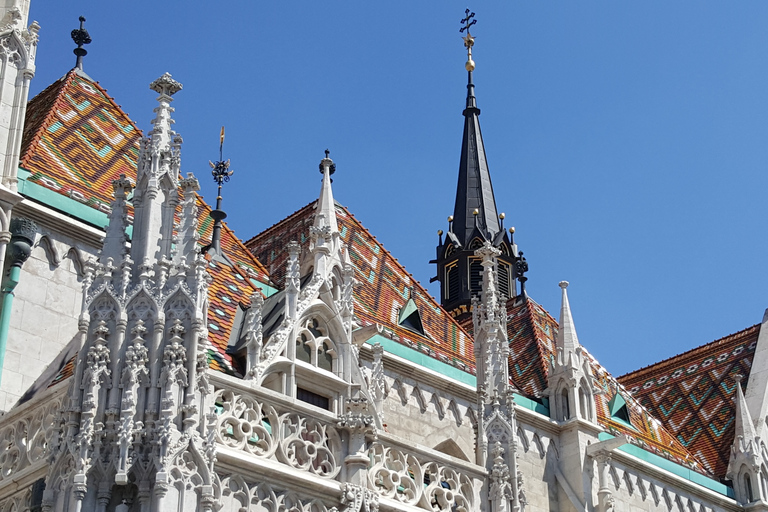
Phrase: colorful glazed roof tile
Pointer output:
(693, 394)
(384, 289)
(77, 140)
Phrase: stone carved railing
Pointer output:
(250, 420)
(26, 437)
(246, 423)
(412, 478)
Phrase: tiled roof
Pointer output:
(384, 284)
(693, 394)
(646, 431)
(531, 332)
(77, 140)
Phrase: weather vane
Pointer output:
(81, 36)
(469, 41)
(221, 173)
(220, 170)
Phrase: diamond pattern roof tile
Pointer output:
(692, 394)
(77, 140)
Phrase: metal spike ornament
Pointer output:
(221, 174)
(80, 36)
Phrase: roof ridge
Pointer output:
(62, 83)
(281, 221)
(687, 352)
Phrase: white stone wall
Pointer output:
(636, 491)
(429, 417)
(538, 485)
(45, 310)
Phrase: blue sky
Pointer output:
(627, 142)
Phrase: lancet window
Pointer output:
(314, 347)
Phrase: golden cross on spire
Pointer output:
(469, 41)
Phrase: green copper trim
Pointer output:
(672, 467)
(9, 284)
(61, 202)
(449, 371)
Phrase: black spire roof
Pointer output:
(474, 190)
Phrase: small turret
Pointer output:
(746, 468)
(570, 376)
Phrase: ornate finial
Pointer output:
(329, 161)
(166, 85)
(80, 36)
(221, 174)
(469, 41)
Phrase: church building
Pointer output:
(153, 361)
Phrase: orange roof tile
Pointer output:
(693, 394)
(77, 140)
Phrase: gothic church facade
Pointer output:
(152, 362)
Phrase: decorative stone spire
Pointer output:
(324, 233)
(116, 242)
(497, 424)
(567, 341)
(80, 36)
(570, 375)
(138, 402)
(326, 208)
(156, 194)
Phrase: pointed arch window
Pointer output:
(475, 275)
(748, 488)
(565, 406)
(313, 346)
(452, 281)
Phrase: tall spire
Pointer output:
(475, 204)
(475, 219)
(80, 36)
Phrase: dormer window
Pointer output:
(618, 409)
(410, 317)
